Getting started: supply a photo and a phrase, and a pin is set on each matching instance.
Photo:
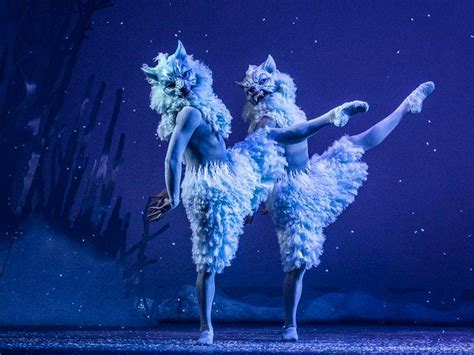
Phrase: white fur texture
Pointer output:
(279, 105)
(217, 198)
(202, 97)
(303, 204)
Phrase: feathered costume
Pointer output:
(217, 196)
(303, 203)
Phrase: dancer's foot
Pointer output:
(416, 98)
(206, 337)
(345, 111)
(289, 334)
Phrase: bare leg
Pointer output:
(377, 133)
(205, 290)
(292, 288)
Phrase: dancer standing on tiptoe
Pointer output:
(314, 191)
(221, 186)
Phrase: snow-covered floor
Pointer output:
(244, 339)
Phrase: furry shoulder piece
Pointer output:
(171, 73)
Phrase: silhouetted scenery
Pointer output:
(81, 158)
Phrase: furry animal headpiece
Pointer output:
(270, 93)
(177, 81)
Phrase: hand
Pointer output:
(158, 205)
(248, 220)
(343, 113)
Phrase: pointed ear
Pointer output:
(241, 84)
(149, 72)
(180, 51)
(269, 65)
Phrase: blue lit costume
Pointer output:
(303, 202)
(217, 196)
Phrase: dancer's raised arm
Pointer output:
(338, 116)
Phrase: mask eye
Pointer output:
(262, 81)
(186, 74)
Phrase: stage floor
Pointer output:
(242, 339)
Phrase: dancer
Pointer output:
(220, 186)
(314, 191)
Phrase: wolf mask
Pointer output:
(177, 81)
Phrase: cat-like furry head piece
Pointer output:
(177, 81)
(266, 80)
(270, 93)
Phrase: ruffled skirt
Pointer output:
(302, 204)
(218, 196)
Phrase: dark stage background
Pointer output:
(406, 244)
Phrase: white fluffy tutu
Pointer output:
(217, 197)
(303, 203)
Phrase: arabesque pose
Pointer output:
(315, 190)
(221, 186)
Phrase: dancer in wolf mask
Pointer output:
(314, 191)
(221, 186)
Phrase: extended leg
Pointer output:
(205, 290)
(292, 288)
(377, 133)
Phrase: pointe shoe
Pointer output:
(206, 338)
(343, 113)
(289, 334)
(416, 98)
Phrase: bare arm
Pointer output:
(338, 116)
(187, 121)
(301, 131)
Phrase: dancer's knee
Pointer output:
(206, 275)
(297, 273)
